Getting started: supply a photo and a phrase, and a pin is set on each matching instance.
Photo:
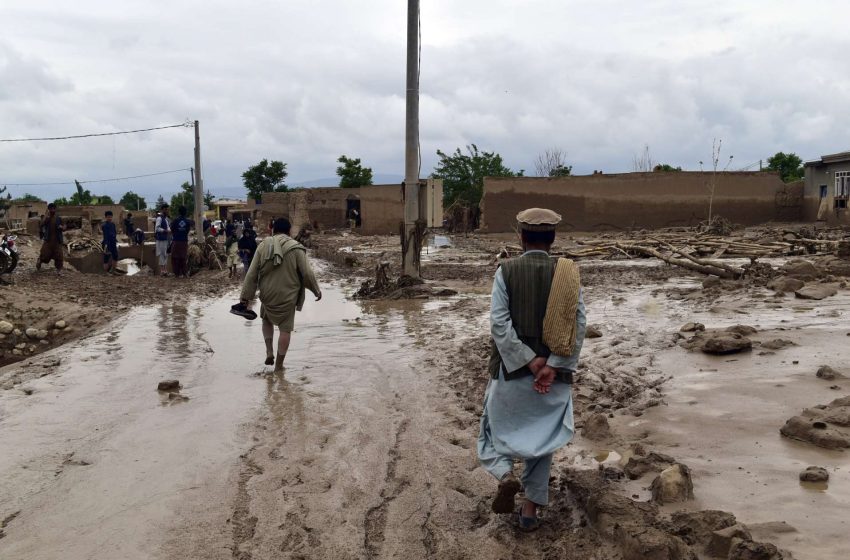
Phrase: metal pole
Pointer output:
(411, 164)
(199, 185)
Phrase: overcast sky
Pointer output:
(305, 81)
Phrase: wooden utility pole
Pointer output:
(199, 186)
(411, 239)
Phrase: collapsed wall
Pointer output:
(641, 200)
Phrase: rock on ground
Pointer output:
(692, 327)
(637, 465)
(593, 332)
(721, 540)
(785, 284)
(826, 372)
(726, 344)
(824, 425)
(817, 292)
(801, 269)
(814, 474)
(751, 550)
(674, 484)
(169, 385)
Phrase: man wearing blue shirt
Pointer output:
(110, 243)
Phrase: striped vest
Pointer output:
(528, 280)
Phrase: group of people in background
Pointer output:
(171, 237)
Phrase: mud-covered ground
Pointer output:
(365, 447)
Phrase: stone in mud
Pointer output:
(649, 543)
(777, 344)
(826, 372)
(785, 284)
(60, 324)
(751, 550)
(177, 397)
(596, 427)
(697, 527)
(18, 332)
(721, 540)
(799, 268)
(593, 332)
(637, 466)
(726, 344)
(6, 327)
(816, 292)
(814, 474)
(42, 334)
(674, 484)
(692, 327)
(743, 330)
(168, 385)
(824, 425)
(31, 332)
(711, 282)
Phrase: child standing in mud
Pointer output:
(110, 243)
(538, 321)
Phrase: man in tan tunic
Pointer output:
(282, 273)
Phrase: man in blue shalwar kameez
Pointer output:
(528, 411)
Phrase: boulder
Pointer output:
(711, 282)
(596, 427)
(726, 344)
(826, 372)
(637, 466)
(692, 327)
(777, 344)
(60, 324)
(169, 385)
(785, 284)
(697, 527)
(592, 332)
(674, 484)
(814, 474)
(826, 426)
(751, 550)
(743, 330)
(31, 332)
(801, 269)
(721, 541)
(6, 327)
(816, 291)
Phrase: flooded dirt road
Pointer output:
(356, 452)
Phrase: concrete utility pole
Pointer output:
(199, 186)
(410, 242)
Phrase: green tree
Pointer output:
(561, 171)
(265, 177)
(665, 167)
(789, 166)
(463, 174)
(132, 201)
(352, 174)
(82, 197)
(102, 199)
(62, 202)
(208, 199)
(159, 202)
(27, 197)
(186, 197)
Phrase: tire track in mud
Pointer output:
(244, 524)
(376, 517)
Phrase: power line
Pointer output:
(185, 124)
(96, 180)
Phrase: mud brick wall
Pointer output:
(640, 200)
(382, 209)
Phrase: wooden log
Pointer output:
(684, 263)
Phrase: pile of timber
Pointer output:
(700, 252)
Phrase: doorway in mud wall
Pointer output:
(352, 211)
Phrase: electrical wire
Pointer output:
(182, 125)
(96, 180)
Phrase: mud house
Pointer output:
(827, 189)
(20, 211)
(227, 208)
(642, 200)
(380, 208)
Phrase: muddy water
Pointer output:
(355, 452)
(723, 414)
